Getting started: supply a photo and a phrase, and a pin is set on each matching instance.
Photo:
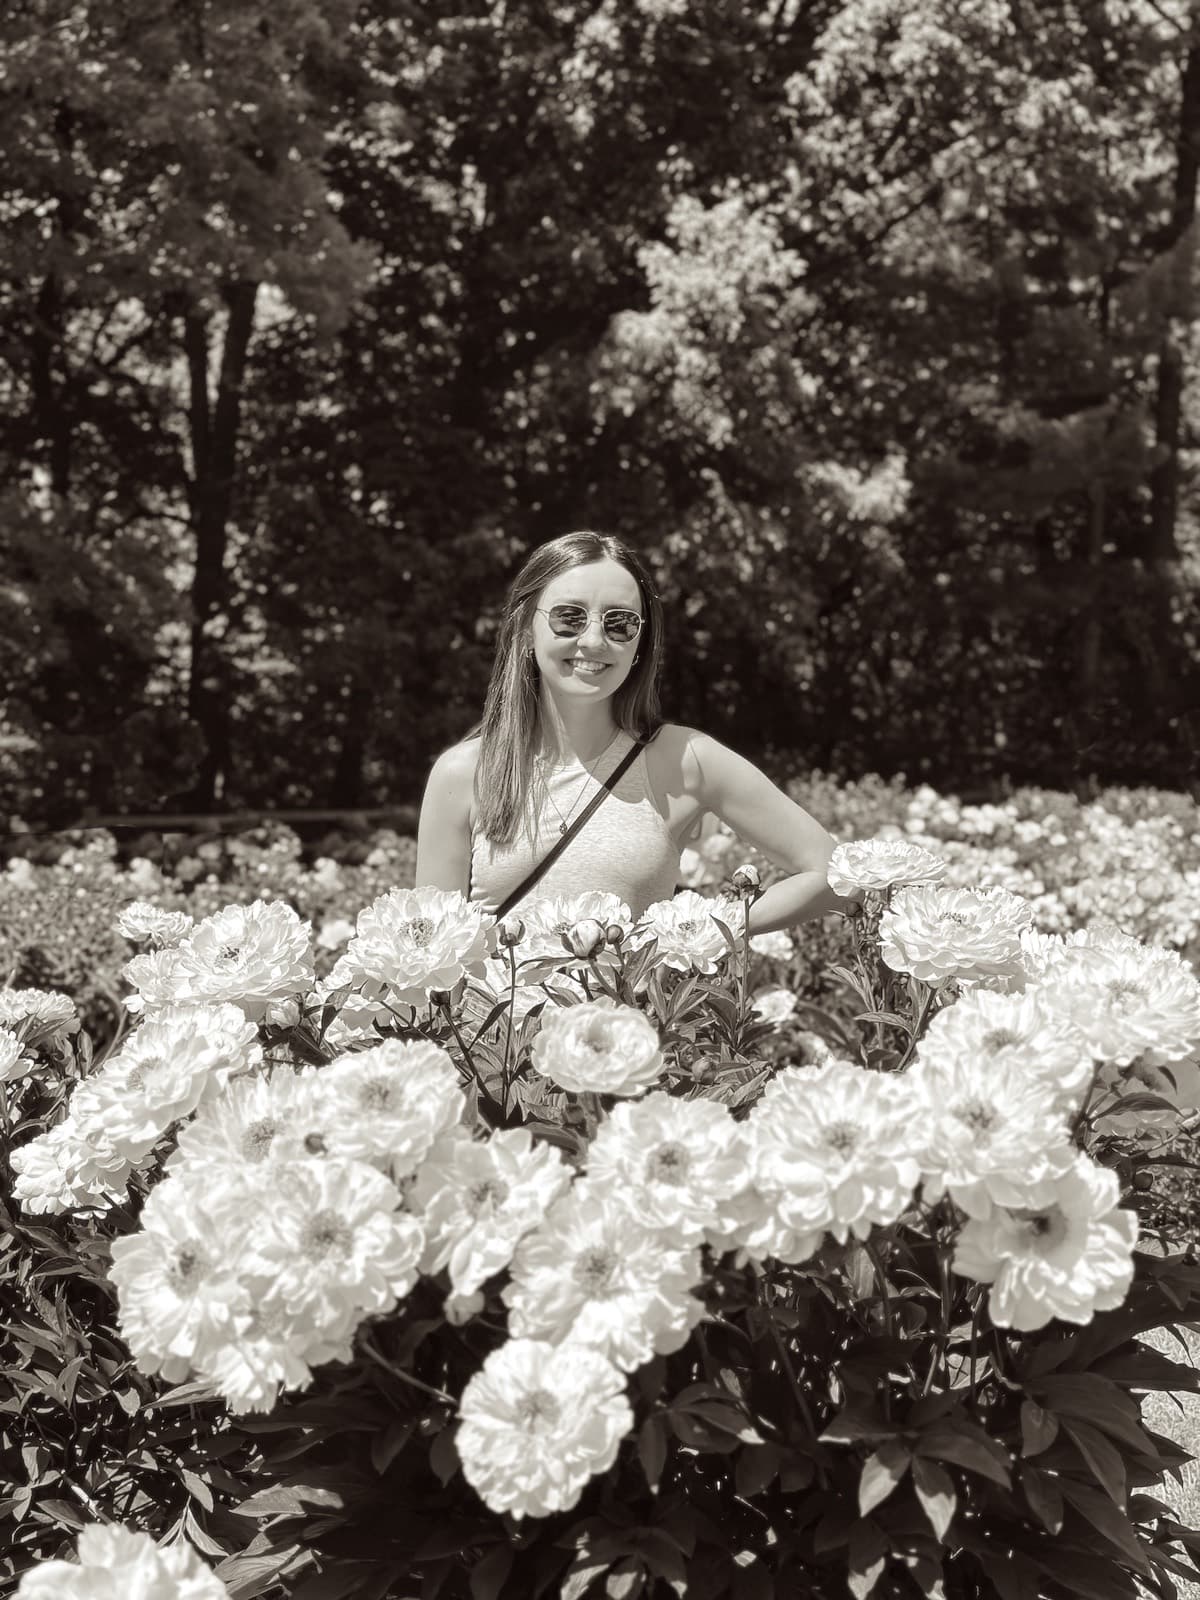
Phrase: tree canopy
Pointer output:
(870, 323)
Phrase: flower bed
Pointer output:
(568, 1258)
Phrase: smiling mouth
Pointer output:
(591, 668)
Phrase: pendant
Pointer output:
(562, 827)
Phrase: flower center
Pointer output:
(958, 917)
(842, 1137)
(1124, 993)
(976, 1114)
(376, 1095)
(692, 927)
(999, 1039)
(419, 931)
(256, 1140)
(489, 1191)
(185, 1269)
(229, 954)
(594, 1269)
(595, 1037)
(1045, 1229)
(668, 1164)
(538, 1410)
(325, 1234)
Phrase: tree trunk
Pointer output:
(1164, 480)
(214, 427)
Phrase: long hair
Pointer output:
(510, 730)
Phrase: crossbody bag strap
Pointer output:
(556, 850)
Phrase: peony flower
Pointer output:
(592, 1274)
(179, 1290)
(1126, 1001)
(48, 1016)
(61, 1170)
(1068, 1258)
(881, 864)
(255, 957)
(988, 1133)
(478, 1199)
(938, 933)
(162, 1073)
(385, 1105)
(254, 1119)
(777, 946)
(551, 921)
(689, 939)
(14, 1063)
(335, 933)
(774, 1005)
(119, 1564)
(832, 1149)
(1022, 1031)
(599, 1047)
(672, 1163)
(539, 1421)
(144, 923)
(412, 941)
(363, 1012)
(154, 977)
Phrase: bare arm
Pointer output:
(444, 828)
(758, 811)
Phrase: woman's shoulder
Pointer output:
(675, 747)
(452, 776)
(460, 759)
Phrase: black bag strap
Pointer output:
(556, 850)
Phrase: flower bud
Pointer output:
(614, 934)
(461, 1308)
(510, 932)
(586, 938)
(746, 878)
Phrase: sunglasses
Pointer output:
(569, 621)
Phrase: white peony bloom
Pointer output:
(672, 1163)
(478, 1199)
(539, 1421)
(386, 1105)
(155, 980)
(162, 1072)
(550, 920)
(1067, 1259)
(180, 1293)
(253, 1119)
(599, 1047)
(592, 1274)
(119, 1564)
(255, 957)
(937, 933)
(335, 933)
(61, 1170)
(14, 1063)
(363, 1011)
(687, 934)
(1126, 1001)
(48, 1015)
(412, 941)
(988, 1132)
(144, 923)
(777, 946)
(774, 1005)
(834, 1149)
(1023, 1031)
(332, 1243)
(881, 864)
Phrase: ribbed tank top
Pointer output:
(625, 847)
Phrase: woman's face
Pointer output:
(591, 665)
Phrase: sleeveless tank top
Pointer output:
(625, 847)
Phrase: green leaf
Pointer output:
(63, 1512)
(757, 1466)
(443, 1456)
(652, 1449)
(881, 1473)
(1107, 1520)
(935, 1490)
(955, 1439)
(855, 1423)
(1044, 1496)
(197, 1488)
(1090, 1576)
(868, 1552)
(1102, 1457)
(387, 1445)
(248, 1575)
(488, 1575)
(1038, 1428)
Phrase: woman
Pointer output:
(573, 688)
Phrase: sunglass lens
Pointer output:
(622, 626)
(567, 620)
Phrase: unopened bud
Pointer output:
(461, 1308)
(614, 934)
(746, 878)
(509, 932)
(586, 938)
(439, 997)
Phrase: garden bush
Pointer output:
(587, 1257)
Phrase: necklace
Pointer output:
(589, 777)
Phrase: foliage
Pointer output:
(855, 1417)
